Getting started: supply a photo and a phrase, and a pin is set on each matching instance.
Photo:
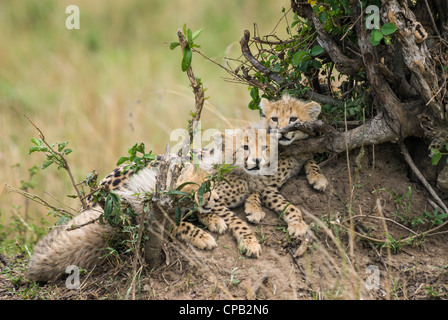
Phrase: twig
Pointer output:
(383, 218)
(432, 18)
(359, 234)
(22, 220)
(74, 227)
(419, 175)
(37, 199)
(310, 127)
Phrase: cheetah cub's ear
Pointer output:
(265, 106)
(313, 109)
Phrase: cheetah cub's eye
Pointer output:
(246, 147)
(292, 119)
(274, 119)
(263, 148)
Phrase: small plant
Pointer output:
(233, 280)
(383, 33)
(404, 204)
(435, 218)
(436, 155)
(136, 162)
(396, 245)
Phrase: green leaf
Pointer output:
(253, 105)
(189, 36)
(62, 145)
(375, 37)
(277, 67)
(436, 157)
(323, 16)
(177, 192)
(388, 28)
(178, 216)
(186, 60)
(173, 45)
(37, 142)
(33, 149)
(254, 93)
(299, 58)
(184, 184)
(316, 50)
(202, 189)
(121, 160)
(46, 164)
(196, 34)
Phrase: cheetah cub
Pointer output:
(83, 246)
(260, 171)
(278, 114)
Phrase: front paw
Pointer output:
(204, 241)
(254, 215)
(214, 223)
(297, 229)
(318, 181)
(250, 246)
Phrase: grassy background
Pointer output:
(110, 84)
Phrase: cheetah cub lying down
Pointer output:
(83, 246)
(278, 114)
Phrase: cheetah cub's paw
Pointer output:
(254, 214)
(204, 241)
(318, 181)
(250, 246)
(213, 223)
(297, 229)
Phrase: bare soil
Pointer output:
(346, 259)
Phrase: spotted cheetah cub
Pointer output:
(278, 114)
(260, 171)
(83, 246)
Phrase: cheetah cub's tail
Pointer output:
(82, 247)
(63, 247)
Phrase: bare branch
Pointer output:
(408, 158)
(310, 127)
(38, 200)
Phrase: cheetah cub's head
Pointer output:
(192, 178)
(254, 150)
(277, 114)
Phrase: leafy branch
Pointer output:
(187, 46)
(55, 156)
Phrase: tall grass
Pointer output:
(113, 82)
